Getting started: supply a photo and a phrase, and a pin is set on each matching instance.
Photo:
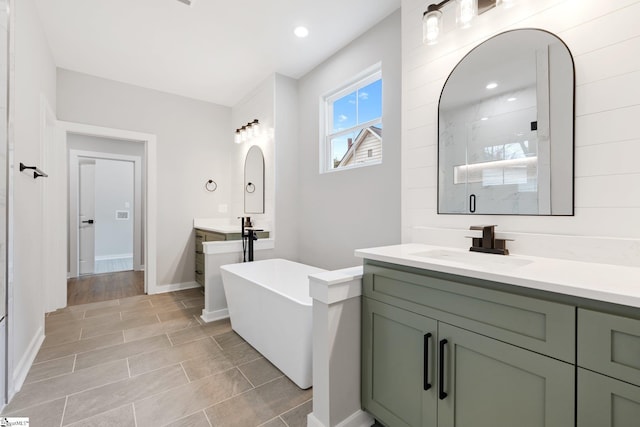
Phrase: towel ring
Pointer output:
(250, 187)
(211, 186)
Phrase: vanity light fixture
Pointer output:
(466, 12)
(246, 132)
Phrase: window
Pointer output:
(353, 124)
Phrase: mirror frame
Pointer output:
(573, 134)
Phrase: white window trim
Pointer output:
(369, 75)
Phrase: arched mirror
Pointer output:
(254, 181)
(505, 128)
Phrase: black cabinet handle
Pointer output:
(425, 380)
(472, 203)
(89, 221)
(442, 394)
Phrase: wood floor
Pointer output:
(104, 287)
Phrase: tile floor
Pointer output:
(150, 361)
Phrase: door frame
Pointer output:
(149, 201)
(74, 206)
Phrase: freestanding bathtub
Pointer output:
(270, 307)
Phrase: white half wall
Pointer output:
(603, 38)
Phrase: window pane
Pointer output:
(345, 112)
(339, 148)
(370, 102)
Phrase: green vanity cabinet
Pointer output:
(492, 358)
(401, 348)
(609, 370)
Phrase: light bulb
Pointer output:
(236, 137)
(467, 11)
(255, 125)
(431, 23)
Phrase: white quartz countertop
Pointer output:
(225, 229)
(603, 282)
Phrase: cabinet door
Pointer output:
(393, 365)
(610, 345)
(491, 383)
(606, 402)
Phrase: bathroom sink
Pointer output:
(473, 258)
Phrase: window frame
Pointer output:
(361, 80)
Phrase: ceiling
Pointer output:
(213, 50)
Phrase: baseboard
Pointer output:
(160, 289)
(359, 418)
(212, 316)
(22, 369)
(114, 256)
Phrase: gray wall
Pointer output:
(114, 190)
(194, 140)
(341, 211)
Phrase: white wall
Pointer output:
(194, 143)
(259, 104)
(603, 38)
(114, 192)
(33, 77)
(341, 211)
(274, 103)
(286, 168)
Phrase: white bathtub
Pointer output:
(270, 307)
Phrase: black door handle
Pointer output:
(89, 221)
(425, 380)
(472, 203)
(442, 394)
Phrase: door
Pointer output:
(491, 383)
(606, 402)
(398, 349)
(86, 225)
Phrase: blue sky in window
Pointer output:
(352, 109)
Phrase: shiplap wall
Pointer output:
(604, 39)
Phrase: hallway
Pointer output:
(103, 287)
(148, 361)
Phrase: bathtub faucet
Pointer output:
(248, 235)
(251, 236)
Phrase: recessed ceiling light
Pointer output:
(492, 85)
(484, 119)
(301, 32)
(511, 99)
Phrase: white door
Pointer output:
(86, 226)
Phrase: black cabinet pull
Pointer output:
(472, 203)
(425, 380)
(442, 395)
(89, 221)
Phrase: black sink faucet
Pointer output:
(488, 242)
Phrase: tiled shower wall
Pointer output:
(604, 40)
